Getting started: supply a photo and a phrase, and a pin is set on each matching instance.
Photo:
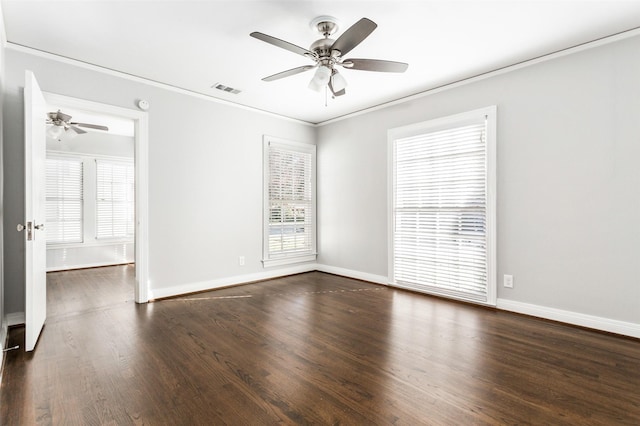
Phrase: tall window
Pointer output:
(289, 203)
(115, 209)
(443, 206)
(64, 200)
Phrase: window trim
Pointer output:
(490, 113)
(286, 259)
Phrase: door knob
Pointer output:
(41, 226)
(28, 227)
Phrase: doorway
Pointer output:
(104, 236)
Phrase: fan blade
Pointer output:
(374, 65)
(283, 44)
(354, 35)
(288, 73)
(78, 130)
(91, 126)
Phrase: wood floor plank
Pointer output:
(307, 349)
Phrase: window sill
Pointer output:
(267, 263)
(88, 244)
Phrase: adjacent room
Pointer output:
(320, 212)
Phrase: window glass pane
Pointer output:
(64, 194)
(115, 198)
(440, 207)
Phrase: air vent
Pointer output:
(226, 88)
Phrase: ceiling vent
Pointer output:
(224, 88)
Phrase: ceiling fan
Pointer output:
(328, 54)
(61, 123)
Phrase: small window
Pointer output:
(289, 202)
(115, 209)
(64, 195)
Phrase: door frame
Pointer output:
(141, 161)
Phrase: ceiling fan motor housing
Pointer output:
(322, 48)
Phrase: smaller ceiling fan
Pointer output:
(61, 123)
(328, 53)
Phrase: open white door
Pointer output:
(35, 112)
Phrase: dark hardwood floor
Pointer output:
(307, 349)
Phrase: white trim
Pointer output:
(268, 263)
(574, 318)
(281, 259)
(3, 32)
(492, 204)
(67, 154)
(4, 334)
(507, 68)
(85, 266)
(350, 273)
(142, 80)
(141, 159)
(93, 243)
(141, 246)
(187, 288)
(15, 318)
(569, 317)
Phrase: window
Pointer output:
(64, 191)
(115, 217)
(443, 206)
(289, 202)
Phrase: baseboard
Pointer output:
(350, 273)
(3, 344)
(160, 293)
(15, 318)
(582, 320)
(85, 266)
(568, 317)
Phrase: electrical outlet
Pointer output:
(508, 281)
(241, 260)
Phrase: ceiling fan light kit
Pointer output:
(327, 54)
(54, 132)
(320, 78)
(338, 82)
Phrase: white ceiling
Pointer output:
(194, 44)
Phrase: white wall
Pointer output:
(568, 182)
(205, 175)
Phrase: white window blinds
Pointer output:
(289, 201)
(115, 200)
(440, 206)
(64, 200)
